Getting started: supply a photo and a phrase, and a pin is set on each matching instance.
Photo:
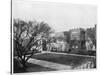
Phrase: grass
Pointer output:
(70, 60)
(29, 68)
(37, 68)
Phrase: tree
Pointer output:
(26, 36)
(91, 33)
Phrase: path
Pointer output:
(51, 65)
(66, 54)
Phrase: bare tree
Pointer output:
(25, 37)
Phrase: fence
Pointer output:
(87, 65)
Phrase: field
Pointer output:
(39, 61)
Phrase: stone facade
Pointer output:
(77, 38)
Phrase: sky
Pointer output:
(59, 16)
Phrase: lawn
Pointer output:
(29, 68)
(70, 60)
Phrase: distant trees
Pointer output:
(25, 36)
(91, 33)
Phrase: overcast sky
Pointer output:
(60, 16)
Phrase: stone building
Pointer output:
(77, 38)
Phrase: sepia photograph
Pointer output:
(53, 36)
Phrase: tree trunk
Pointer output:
(24, 63)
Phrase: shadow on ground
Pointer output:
(29, 68)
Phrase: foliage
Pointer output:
(91, 33)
